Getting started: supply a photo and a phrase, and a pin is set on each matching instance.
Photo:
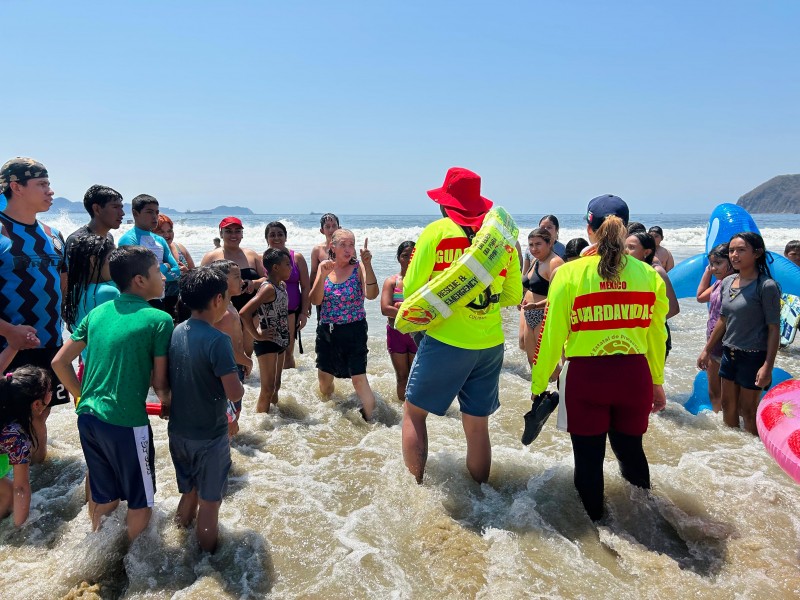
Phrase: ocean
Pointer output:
(320, 504)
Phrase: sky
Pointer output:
(360, 107)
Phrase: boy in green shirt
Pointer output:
(125, 340)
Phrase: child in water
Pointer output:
(205, 383)
(748, 328)
(339, 290)
(231, 324)
(271, 304)
(720, 267)
(401, 346)
(792, 251)
(574, 248)
(88, 277)
(328, 223)
(127, 342)
(24, 397)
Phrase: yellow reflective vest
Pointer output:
(589, 316)
(439, 244)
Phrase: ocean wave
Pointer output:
(198, 236)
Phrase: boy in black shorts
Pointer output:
(205, 382)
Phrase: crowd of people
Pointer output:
(141, 314)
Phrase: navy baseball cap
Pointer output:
(604, 206)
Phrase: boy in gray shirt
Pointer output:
(204, 380)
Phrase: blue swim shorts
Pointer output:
(201, 464)
(441, 372)
(121, 461)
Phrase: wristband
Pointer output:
(372, 283)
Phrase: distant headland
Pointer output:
(63, 204)
(780, 194)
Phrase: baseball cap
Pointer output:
(605, 206)
(20, 169)
(228, 221)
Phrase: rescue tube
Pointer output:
(778, 422)
(465, 279)
(153, 409)
(727, 220)
(699, 400)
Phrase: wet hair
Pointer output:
(792, 246)
(756, 242)
(648, 242)
(337, 235)
(720, 251)
(574, 248)
(216, 239)
(611, 247)
(224, 265)
(84, 262)
(127, 262)
(408, 244)
(142, 200)
(328, 217)
(274, 256)
(656, 229)
(541, 232)
(200, 286)
(276, 225)
(100, 195)
(18, 391)
(552, 218)
(164, 220)
(635, 227)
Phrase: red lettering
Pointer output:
(449, 250)
(601, 311)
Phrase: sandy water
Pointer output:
(320, 504)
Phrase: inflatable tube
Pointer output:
(778, 422)
(727, 220)
(699, 400)
(465, 279)
(785, 272)
(686, 276)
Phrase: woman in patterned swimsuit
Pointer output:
(341, 285)
(536, 283)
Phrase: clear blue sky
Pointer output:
(359, 107)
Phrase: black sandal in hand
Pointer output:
(536, 417)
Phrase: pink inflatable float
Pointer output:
(778, 421)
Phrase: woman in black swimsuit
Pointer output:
(536, 283)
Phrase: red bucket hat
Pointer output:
(460, 195)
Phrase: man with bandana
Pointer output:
(31, 258)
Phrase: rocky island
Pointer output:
(63, 204)
(780, 194)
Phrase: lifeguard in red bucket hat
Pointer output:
(460, 356)
(460, 198)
